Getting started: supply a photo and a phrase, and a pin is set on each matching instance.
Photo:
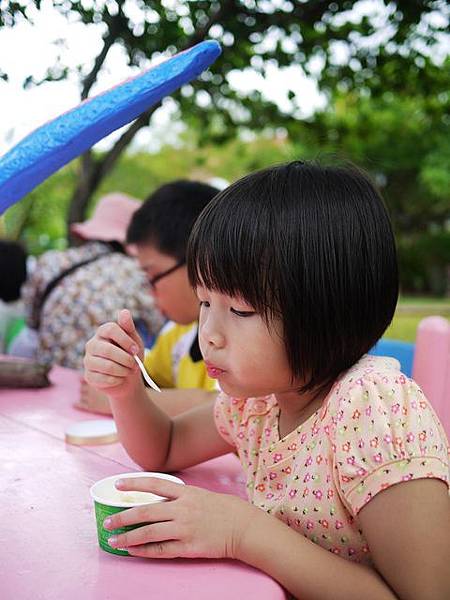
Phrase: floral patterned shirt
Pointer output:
(374, 429)
(84, 299)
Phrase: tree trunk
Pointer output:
(87, 182)
(93, 171)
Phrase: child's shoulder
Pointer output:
(175, 330)
(175, 340)
(372, 370)
(374, 383)
(382, 430)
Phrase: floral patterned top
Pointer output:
(84, 299)
(374, 429)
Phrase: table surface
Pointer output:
(48, 538)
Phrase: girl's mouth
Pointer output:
(213, 371)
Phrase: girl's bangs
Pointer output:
(227, 254)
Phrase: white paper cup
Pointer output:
(108, 500)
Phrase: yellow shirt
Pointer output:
(170, 363)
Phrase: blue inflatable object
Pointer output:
(54, 144)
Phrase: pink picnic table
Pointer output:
(48, 539)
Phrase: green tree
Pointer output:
(403, 140)
(384, 50)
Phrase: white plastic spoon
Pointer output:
(147, 377)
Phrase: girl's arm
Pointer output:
(407, 528)
(150, 436)
(157, 442)
(154, 440)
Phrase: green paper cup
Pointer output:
(108, 500)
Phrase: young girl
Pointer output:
(346, 462)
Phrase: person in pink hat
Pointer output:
(71, 292)
(110, 219)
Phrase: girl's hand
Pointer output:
(192, 523)
(108, 362)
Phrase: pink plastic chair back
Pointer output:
(431, 366)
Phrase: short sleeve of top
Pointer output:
(383, 431)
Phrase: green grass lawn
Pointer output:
(422, 301)
(409, 313)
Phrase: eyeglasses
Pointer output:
(154, 280)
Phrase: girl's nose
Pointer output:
(217, 340)
(211, 334)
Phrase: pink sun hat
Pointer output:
(110, 219)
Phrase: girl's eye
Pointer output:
(204, 303)
(243, 313)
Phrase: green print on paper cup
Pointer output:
(108, 500)
(102, 511)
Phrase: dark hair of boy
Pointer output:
(166, 218)
(311, 245)
(13, 270)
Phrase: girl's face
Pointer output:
(247, 357)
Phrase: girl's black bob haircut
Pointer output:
(311, 245)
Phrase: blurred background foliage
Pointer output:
(418, 205)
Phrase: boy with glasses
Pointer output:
(159, 230)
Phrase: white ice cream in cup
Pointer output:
(108, 500)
